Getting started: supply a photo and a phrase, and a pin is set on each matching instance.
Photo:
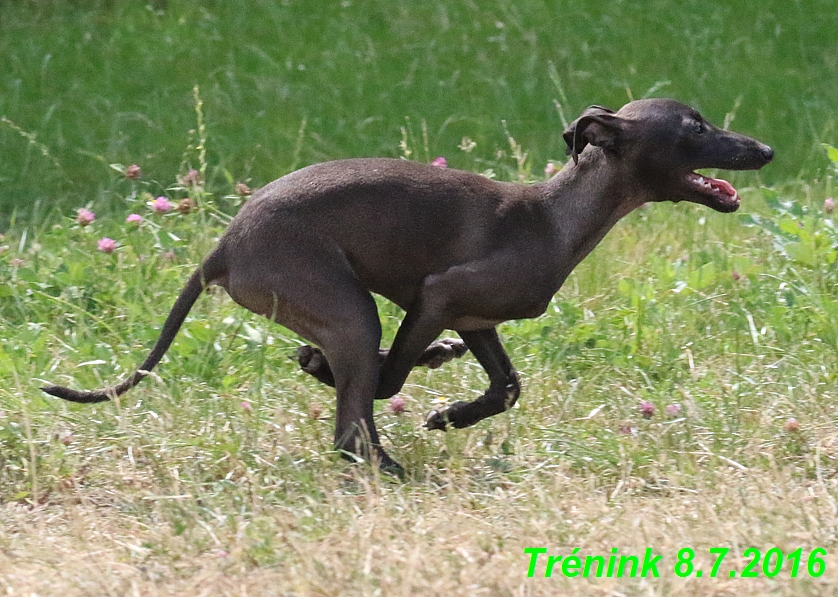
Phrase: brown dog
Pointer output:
(454, 249)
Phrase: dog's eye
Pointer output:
(698, 127)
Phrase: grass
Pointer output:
(216, 476)
(111, 81)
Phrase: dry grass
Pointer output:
(365, 537)
(179, 489)
(252, 503)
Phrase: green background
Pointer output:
(111, 81)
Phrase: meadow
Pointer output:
(680, 393)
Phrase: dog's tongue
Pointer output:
(722, 185)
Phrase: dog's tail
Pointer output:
(212, 268)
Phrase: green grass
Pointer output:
(286, 85)
(216, 475)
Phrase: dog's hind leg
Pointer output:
(314, 362)
(333, 311)
(503, 391)
(352, 343)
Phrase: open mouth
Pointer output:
(720, 192)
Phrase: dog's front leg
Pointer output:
(504, 387)
(418, 329)
(441, 299)
(458, 298)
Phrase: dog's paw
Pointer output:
(455, 415)
(390, 467)
(311, 359)
(442, 351)
(436, 419)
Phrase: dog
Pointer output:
(452, 248)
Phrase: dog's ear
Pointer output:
(596, 126)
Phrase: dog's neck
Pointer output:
(586, 200)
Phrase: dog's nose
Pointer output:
(767, 153)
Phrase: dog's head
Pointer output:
(659, 143)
